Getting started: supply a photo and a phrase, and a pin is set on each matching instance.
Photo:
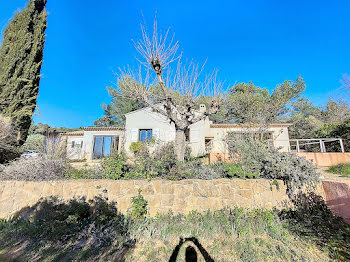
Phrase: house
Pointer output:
(92, 143)
(203, 137)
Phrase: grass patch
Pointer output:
(341, 169)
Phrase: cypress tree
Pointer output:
(21, 57)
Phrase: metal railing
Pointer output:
(321, 142)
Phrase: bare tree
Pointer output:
(346, 82)
(177, 89)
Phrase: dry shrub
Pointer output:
(8, 150)
(258, 157)
(6, 130)
(34, 169)
(55, 147)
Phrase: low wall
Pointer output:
(337, 196)
(218, 157)
(162, 195)
(326, 159)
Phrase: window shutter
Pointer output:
(194, 136)
(156, 133)
(134, 135)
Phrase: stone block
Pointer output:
(226, 191)
(123, 204)
(246, 193)
(167, 200)
(179, 205)
(221, 181)
(153, 201)
(244, 184)
(260, 188)
(167, 188)
(187, 182)
(127, 186)
(243, 202)
(58, 190)
(147, 189)
(230, 203)
(157, 185)
(205, 189)
(114, 188)
(182, 192)
(47, 190)
(214, 203)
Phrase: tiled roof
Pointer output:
(103, 128)
(247, 125)
(73, 133)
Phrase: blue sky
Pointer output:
(263, 41)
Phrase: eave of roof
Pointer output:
(73, 133)
(247, 125)
(103, 128)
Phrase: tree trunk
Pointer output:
(180, 145)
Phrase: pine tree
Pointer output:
(21, 57)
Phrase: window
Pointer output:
(76, 144)
(103, 146)
(145, 134)
(187, 135)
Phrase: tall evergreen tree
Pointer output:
(21, 57)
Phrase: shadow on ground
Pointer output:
(81, 230)
(313, 220)
(52, 230)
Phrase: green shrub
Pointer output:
(55, 219)
(258, 157)
(138, 206)
(3, 223)
(341, 169)
(135, 146)
(102, 212)
(149, 165)
(34, 142)
(114, 166)
(236, 170)
(341, 130)
(136, 172)
(84, 173)
(188, 152)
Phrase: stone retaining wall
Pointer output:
(162, 195)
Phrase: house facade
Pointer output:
(203, 137)
(93, 143)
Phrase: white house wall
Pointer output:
(162, 130)
(279, 135)
(88, 144)
(75, 152)
(197, 137)
(281, 138)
